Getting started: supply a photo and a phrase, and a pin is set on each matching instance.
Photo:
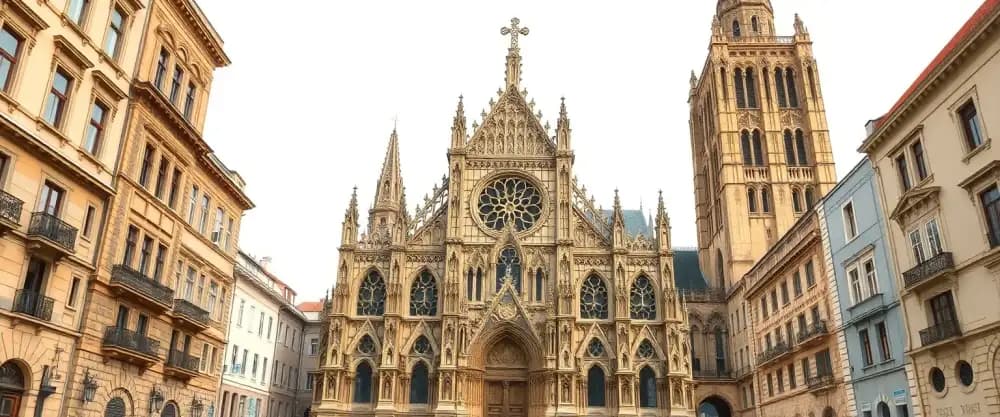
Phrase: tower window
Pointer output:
(800, 147)
(751, 89)
(790, 148)
(797, 200)
(745, 145)
(793, 95)
(779, 87)
(736, 28)
(758, 149)
(746, 88)
(755, 25)
(765, 200)
(752, 200)
(741, 100)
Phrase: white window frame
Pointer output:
(849, 223)
(871, 279)
(854, 285)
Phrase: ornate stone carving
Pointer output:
(507, 355)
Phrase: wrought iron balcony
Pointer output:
(127, 280)
(181, 364)
(49, 232)
(820, 382)
(713, 374)
(33, 304)
(933, 267)
(185, 312)
(704, 295)
(942, 331)
(812, 332)
(10, 210)
(130, 346)
(777, 351)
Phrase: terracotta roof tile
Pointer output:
(310, 306)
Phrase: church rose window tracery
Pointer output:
(366, 345)
(422, 346)
(595, 348)
(424, 295)
(371, 297)
(594, 298)
(510, 201)
(643, 299)
(646, 350)
(508, 263)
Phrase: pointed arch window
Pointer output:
(790, 148)
(755, 24)
(720, 269)
(796, 200)
(758, 148)
(725, 89)
(736, 28)
(810, 197)
(595, 387)
(647, 387)
(779, 87)
(741, 99)
(419, 384)
(509, 264)
(363, 383)
(539, 284)
(812, 80)
(720, 351)
(752, 200)
(594, 298)
(746, 148)
(765, 200)
(751, 84)
(646, 350)
(642, 298)
(470, 285)
(800, 148)
(793, 94)
(371, 296)
(424, 295)
(479, 284)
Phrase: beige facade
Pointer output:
(65, 70)
(938, 174)
(762, 158)
(507, 293)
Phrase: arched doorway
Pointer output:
(505, 382)
(11, 389)
(714, 407)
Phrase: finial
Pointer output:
(483, 113)
(694, 80)
(499, 91)
(513, 31)
(539, 114)
(492, 102)
(562, 107)
(547, 125)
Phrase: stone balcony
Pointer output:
(756, 173)
(927, 271)
(131, 283)
(129, 346)
(713, 374)
(787, 40)
(53, 237)
(819, 383)
(704, 295)
(181, 365)
(10, 211)
(801, 174)
(939, 332)
(187, 314)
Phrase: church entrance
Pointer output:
(506, 381)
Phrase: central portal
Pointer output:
(506, 380)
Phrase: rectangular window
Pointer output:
(50, 202)
(145, 254)
(763, 307)
(232, 359)
(243, 363)
(175, 83)
(116, 28)
(95, 129)
(810, 274)
(933, 238)
(263, 372)
(88, 221)
(161, 177)
(802, 323)
(10, 51)
(781, 381)
(854, 276)
(823, 365)
(770, 386)
(805, 369)
(790, 332)
(870, 277)
(147, 165)
(797, 284)
(77, 11)
(791, 375)
(942, 309)
(200, 295)
(175, 183)
(188, 293)
(309, 381)
(161, 258)
(850, 225)
(784, 293)
(314, 346)
(904, 172)
(774, 300)
(990, 200)
(142, 324)
(883, 342)
(217, 228)
(204, 357)
(919, 160)
(55, 105)
(917, 244)
(270, 324)
(228, 238)
(971, 129)
(767, 341)
(239, 316)
(189, 100)
(815, 314)
(213, 296)
(260, 325)
(161, 68)
(193, 205)
(253, 371)
(866, 347)
(205, 203)
(131, 240)
(74, 291)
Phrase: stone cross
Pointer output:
(513, 31)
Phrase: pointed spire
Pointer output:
(562, 127)
(800, 27)
(662, 224)
(619, 214)
(694, 80)
(458, 126)
(349, 228)
(389, 190)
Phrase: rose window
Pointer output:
(510, 201)
(595, 348)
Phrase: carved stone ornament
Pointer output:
(748, 120)
(506, 354)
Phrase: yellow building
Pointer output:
(65, 70)
(762, 157)
(508, 293)
(938, 175)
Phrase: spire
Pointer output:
(662, 224)
(800, 27)
(618, 223)
(694, 80)
(514, 52)
(458, 126)
(349, 228)
(562, 128)
(619, 214)
(389, 190)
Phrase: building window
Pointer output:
(965, 373)
(95, 129)
(77, 11)
(313, 345)
(509, 266)
(797, 283)
(371, 297)
(161, 68)
(88, 221)
(943, 310)
(754, 25)
(161, 258)
(919, 161)
(990, 198)
(189, 100)
(131, 240)
(937, 379)
(870, 277)
(213, 296)
(780, 376)
(746, 88)
(116, 28)
(10, 51)
(161, 177)
(904, 172)
(424, 295)
(784, 293)
(642, 299)
(175, 83)
(850, 223)
(765, 200)
(791, 374)
(779, 86)
(971, 129)
(647, 388)
(594, 298)
(217, 227)
(206, 202)
(362, 383)
(810, 197)
(193, 204)
(175, 183)
(736, 28)
(539, 284)
(774, 300)
(770, 386)
(810, 274)
(55, 106)
(796, 200)
(883, 342)
(917, 245)
(866, 347)
(419, 384)
(228, 237)
(595, 387)
(752, 200)
(74, 291)
(790, 155)
(147, 165)
(800, 148)
(791, 89)
(239, 314)
(763, 306)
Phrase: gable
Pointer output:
(511, 129)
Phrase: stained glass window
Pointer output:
(510, 201)
(509, 264)
(646, 349)
(424, 295)
(371, 297)
(422, 346)
(595, 348)
(115, 408)
(418, 384)
(595, 387)
(363, 383)
(594, 298)
(647, 387)
(366, 345)
(643, 299)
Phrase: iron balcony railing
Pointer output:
(136, 281)
(33, 304)
(820, 381)
(181, 360)
(938, 332)
(813, 330)
(50, 227)
(704, 295)
(713, 374)
(928, 269)
(121, 337)
(10, 207)
(190, 311)
(766, 356)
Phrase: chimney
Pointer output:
(265, 263)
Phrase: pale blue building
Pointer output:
(871, 319)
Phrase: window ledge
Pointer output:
(978, 150)
(44, 124)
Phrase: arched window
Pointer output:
(725, 90)
(765, 200)
(883, 410)
(736, 28)
(810, 198)
(746, 148)
(371, 297)
(646, 350)
(695, 362)
(169, 410)
(419, 384)
(424, 295)
(720, 351)
(115, 408)
(755, 25)
(720, 269)
(812, 81)
(595, 387)
(647, 387)
(363, 383)
(509, 264)
(800, 147)
(366, 346)
(793, 94)
(539, 280)
(751, 89)
(741, 99)
(422, 346)
(643, 299)
(779, 87)
(828, 412)
(796, 200)
(479, 284)
(752, 200)
(594, 298)
(790, 148)
(469, 286)
(758, 149)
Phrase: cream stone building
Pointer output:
(762, 158)
(65, 71)
(938, 175)
(507, 292)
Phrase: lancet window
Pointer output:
(594, 298)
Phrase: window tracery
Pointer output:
(643, 299)
(422, 346)
(510, 201)
(371, 297)
(594, 298)
(595, 348)
(645, 350)
(366, 346)
(424, 295)
(509, 264)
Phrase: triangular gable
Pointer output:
(367, 328)
(511, 129)
(912, 199)
(646, 333)
(595, 332)
(422, 329)
(506, 308)
(586, 235)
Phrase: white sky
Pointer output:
(305, 110)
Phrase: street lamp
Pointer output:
(155, 400)
(196, 407)
(89, 387)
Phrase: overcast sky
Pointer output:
(305, 110)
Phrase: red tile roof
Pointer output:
(310, 306)
(968, 29)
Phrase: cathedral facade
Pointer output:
(507, 292)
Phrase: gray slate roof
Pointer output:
(687, 273)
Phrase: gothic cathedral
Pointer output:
(507, 292)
